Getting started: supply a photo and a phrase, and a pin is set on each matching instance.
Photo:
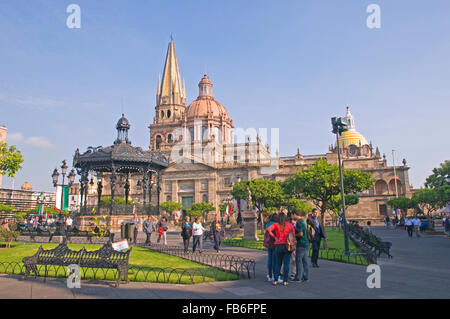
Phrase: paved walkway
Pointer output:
(420, 269)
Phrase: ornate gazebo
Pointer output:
(118, 160)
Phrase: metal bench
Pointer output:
(105, 257)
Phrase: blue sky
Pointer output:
(274, 64)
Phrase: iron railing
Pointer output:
(242, 267)
(135, 273)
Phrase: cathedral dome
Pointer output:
(352, 136)
(26, 187)
(205, 105)
(123, 123)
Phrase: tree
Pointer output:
(10, 160)
(294, 204)
(6, 208)
(171, 206)
(335, 205)
(203, 207)
(319, 182)
(8, 236)
(436, 179)
(265, 193)
(402, 203)
(429, 200)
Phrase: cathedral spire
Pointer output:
(171, 90)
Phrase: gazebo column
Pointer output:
(127, 189)
(113, 186)
(158, 189)
(99, 191)
(150, 186)
(144, 187)
(84, 181)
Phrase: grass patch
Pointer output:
(145, 266)
(335, 240)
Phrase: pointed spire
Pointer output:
(170, 90)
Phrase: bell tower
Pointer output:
(170, 104)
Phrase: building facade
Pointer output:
(207, 156)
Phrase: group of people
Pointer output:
(189, 229)
(196, 231)
(287, 239)
(150, 226)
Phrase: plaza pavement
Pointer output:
(420, 269)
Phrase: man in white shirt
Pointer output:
(69, 223)
(416, 222)
(409, 225)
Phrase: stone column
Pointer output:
(250, 225)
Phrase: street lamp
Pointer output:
(340, 125)
(60, 231)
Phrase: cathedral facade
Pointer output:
(206, 161)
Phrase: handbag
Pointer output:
(269, 241)
(291, 243)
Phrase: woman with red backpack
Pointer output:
(269, 243)
(284, 245)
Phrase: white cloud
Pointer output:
(37, 141)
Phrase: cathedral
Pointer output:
(206, 160)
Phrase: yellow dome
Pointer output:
(27, 186)
(352, 137)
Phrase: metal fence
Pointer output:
(135, 273)
(242, 267)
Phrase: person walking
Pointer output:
(283, 256)
(387, 220)
(301, 252)
(162, 229)
(148, 227)
(367, 228)
(186, 232)
(416, 224)
(218, 233)
(316, 234)
(447, 224)
(69, 223)
(409, 225)
(197, 230)
(136, 221)
(271, 260)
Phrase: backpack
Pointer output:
(291, 243)
(269, 241)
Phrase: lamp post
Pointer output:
(60, 231)
(340, 126)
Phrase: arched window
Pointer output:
(162, 114)
(205, 198)
(392, 187)
(169, 113)
(158, 141)
(381, 187)
(169, 138)
(204, 133)
(191, 133)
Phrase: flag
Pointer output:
(228, 211)
(58, 198)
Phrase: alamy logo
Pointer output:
(74, 279)
(374, 279)
(74, 19)
(374, 19)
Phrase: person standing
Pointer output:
(197, 230)
(136, 221)
(69, 223)
(409, 225)
(162, 229)
(416, 224)
(271, 260)
(367, 228)
(301, 252)
(316, 229)
(283, 255)
(148, 227)
(218, 232)
(186, 232)
(387, 220)
(36, 223)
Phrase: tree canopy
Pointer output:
(10, 160)
(436, 179)
(171, 206)
(429, 200)
(402, 203)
